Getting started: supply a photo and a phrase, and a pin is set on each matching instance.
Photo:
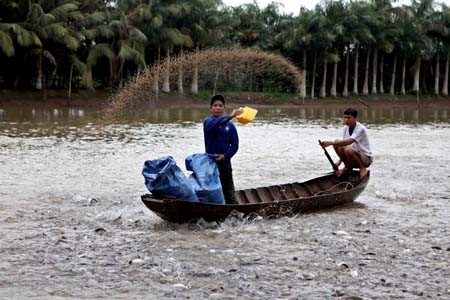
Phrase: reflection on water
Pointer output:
(82, 115)
(72, 225)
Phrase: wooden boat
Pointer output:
(272, 201)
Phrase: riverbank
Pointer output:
(100, 99)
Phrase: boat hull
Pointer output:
(273, 201)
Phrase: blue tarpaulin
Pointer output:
(164, 178)
(205, 178)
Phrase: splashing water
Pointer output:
(144, 87)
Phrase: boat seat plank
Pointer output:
(282, 192)
(252, 196)
(308, 190)
(300, 190)
(242, 197)
(265, 194)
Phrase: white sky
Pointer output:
(293, 6)
(290, 6)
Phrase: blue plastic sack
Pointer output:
(205, 178)
(164, 178)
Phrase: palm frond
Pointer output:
(98, 51)
(90, 34)
(128, 53)
(117, 26)
(6, 44)
(35, 39)
(82, 69)
(71, 42)
(104, 31)
(34, 13)
(63, 10)
(96, 18)
(175, 10)
(46, 19)
(137, 36)
(156, 22)
(55, 32)
(187, 41)
(49, 57)
(76, 16)
(78, 65)
(172, 36)
(24, 37)
(141, 14)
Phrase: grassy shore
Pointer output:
(59, 98)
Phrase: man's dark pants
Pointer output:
(226, 179)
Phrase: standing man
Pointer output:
(354, 149)
(222, 141)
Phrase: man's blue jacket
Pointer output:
(221, 137)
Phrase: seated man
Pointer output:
(354, 149)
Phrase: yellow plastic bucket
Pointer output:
(248, 114)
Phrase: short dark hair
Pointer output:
(215, 98)
(351, 112)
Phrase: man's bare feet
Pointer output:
(362, 173)
(341, 172)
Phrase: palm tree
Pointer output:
(296, 35)
(385, 34)
(50, 27)
(438, 32)
(446, 48)
(204, 24)
(360, 16)
(169, 35)
(321, 43)
(422, 44)
(115, 37)
(335, 13)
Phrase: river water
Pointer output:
(72, 225)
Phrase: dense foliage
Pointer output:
(356, 47)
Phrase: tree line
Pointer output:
(341, 47)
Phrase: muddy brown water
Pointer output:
(72, 225)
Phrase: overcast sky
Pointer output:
(290, 6)
(293, 6)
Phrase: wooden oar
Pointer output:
(335, 168)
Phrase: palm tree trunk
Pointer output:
(194, 83)
(313, 83)
(347, 58)
(120, 73)
(166, 77)
(381, 90)
(355, 72)
(89, 84)
(156, 79)
(416, 86)
(445, 83)
(333, 82)
(365, 90)
(403, 89)
(323, 92)
(44, 87)
(374, 71)
(111, 73)
(70, 85)
(38, 84)
(180, 74)
(436, 75)
(303, 83)
(394, 68)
